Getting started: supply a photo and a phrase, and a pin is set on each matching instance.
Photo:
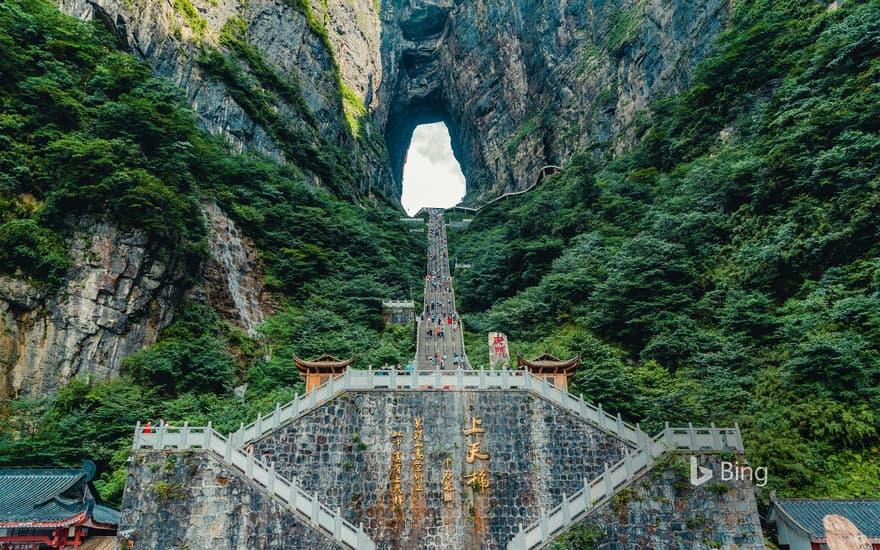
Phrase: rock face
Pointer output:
(120, 293)
(522, 84)
(526, 83)
(233, 273)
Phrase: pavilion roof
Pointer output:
(546, 363)
(807, 514)
(52, 498)
(324, 364)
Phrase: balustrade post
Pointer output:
(716, 438)
(693, 435)
(249, 466)
(370, 383)
(609, 483)
(337, 524)
(293, 491)
(619, 425)
(208, 433)
(258, 426)
(270, 480)
(331, 385)
(640, 435)
(277, 420)
(545, 529)
(228, 454)
(601, 416)
(588, 494)
(482, 379)
(628, 464)
(316, 510)
(566, 510)
(505, 379)
(363, 541)
(136, 442)
(160, 439)
(239, 435)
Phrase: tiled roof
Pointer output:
(49, 497)
(808, 513)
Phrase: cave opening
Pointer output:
(432, 175)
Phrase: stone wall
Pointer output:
(344, 452)
(661, 509)
(190, 500)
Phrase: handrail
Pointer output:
(330, 522)
(572, 509)
(455, 380)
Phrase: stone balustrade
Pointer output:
(595, 492)
(261, 472)
(437, 380)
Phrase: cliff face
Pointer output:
(526, 83)
(522, 84)
(120, 294)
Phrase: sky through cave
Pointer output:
(431, 175)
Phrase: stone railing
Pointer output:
(597, 491)
(460, 380)
(324, 519)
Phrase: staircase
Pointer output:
(616, 477)
(306, 506)
(444, 380)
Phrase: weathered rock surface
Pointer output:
(527, 83)
(120, 293)
(233, 274)
(522, 84)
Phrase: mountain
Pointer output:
(190, 191)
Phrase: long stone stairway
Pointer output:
(440, 342)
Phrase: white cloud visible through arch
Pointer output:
(431, 175)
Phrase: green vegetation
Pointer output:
(623, 27)
(88, 135)
(189, 13)
(726, 269)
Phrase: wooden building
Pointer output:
(556, 371)
(320, 370)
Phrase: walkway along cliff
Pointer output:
(438, 458)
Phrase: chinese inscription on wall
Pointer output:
(478, 478)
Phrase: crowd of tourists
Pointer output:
(442, 339)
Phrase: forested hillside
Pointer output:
(87, 134)
(727, 269)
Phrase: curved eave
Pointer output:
(324, 365)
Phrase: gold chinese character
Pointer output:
(419, 486)
(475, 452)
(474, 429)
(418, 435)
(395, 469)
(396, 434)
(418, 467)
(395, 456)
(397, 500)
(479, 480)
(418, 423)
(448, 487)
